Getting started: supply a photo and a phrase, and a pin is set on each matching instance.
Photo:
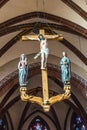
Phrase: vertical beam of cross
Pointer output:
(45, 86)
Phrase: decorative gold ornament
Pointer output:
(45, 102)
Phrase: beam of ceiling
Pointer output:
(39, 25)
(76, 8)
(74, 50)
(9, 94)
(3, 2)
(51, 17)
(23, 115)
(12, 42)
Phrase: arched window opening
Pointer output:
(77, 122)
(38, 124)
(2, 124)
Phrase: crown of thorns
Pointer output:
(41, 37)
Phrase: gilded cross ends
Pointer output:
(42, 31)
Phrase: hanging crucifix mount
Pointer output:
(45, 101)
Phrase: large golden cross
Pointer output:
(35, 37)
(44, 72)
(45, 102)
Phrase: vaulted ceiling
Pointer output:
(66, 17)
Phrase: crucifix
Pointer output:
(45, 102)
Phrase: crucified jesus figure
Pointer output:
(44, 51)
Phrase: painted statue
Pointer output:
(44, 51)
(65, 69)
(23, 70)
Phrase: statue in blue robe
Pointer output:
(23, 70)
(65, 69)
